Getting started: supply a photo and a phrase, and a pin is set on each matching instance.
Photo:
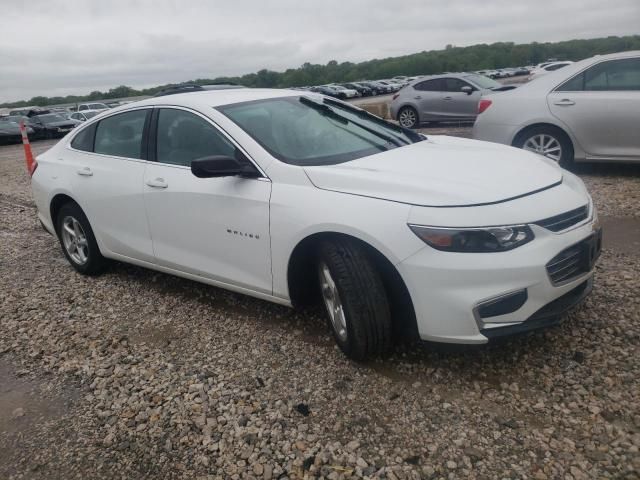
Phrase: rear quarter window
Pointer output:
(84, 139)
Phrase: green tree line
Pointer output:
(451, 59)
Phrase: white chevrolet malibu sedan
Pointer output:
(292, 197)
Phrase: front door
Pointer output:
(217, 228)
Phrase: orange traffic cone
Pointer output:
(28, 155)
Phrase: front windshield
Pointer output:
(311, 131)
(90, 114)
(51, 117)
(482, 81)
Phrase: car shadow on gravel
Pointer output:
(309, 325)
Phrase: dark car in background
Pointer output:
(378, 88)
(37, 131)
(10, 131)
(54, 125)
(363, 90)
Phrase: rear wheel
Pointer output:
(355, 299)
(549, 141)
(77, 240)
(408, 117)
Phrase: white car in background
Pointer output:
(291, 196)
(345, 92)
(586, 111)
(548, 68)
(92, 106)
(84, 115)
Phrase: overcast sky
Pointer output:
(52, 47)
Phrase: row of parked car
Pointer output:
(582, 111)
(362, 88)
(44, 123)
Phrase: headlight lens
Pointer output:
(474, 240)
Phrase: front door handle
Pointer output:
(417, 98)
(448, 98)
(85, 172)
(157, 183)
(564, 102)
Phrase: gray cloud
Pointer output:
(52, 47)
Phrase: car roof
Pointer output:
(552, 79)
(212, 98)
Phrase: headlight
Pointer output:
(474, 240)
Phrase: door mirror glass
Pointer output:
(467, 89)
(216, 166)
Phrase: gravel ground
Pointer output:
(137, 374)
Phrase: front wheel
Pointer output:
(551, 142)
(355, 299)
(408, 117)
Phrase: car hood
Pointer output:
(441, 172)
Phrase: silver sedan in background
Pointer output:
(586, 111)
(449, 97)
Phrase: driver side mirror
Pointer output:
(221, 166)
(467, 89)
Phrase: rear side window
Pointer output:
(614, 75)
(121, 135)
(184, 137)
(84, 139)
(435, 85)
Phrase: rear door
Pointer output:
(107, 162)
(217, 228)
(601, 108)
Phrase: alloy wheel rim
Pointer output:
(407, 118)
(333, 303)
(544, 144)
(75, 240)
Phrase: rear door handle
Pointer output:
(564, 102)
(85, 172)
(157, 183)
(448, 98)
(417, 98)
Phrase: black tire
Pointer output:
(362, 296)
(411, 116)
(95, 263)
(567, 153)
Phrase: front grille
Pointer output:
(565, 220)
(575, 260)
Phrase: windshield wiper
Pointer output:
(323, 107)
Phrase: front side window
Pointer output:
(613, 75)
(121, 135)
(306, 131)
(455, 85)
(184, 137)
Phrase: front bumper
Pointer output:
(448, 289)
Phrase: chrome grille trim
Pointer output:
(565, 220)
